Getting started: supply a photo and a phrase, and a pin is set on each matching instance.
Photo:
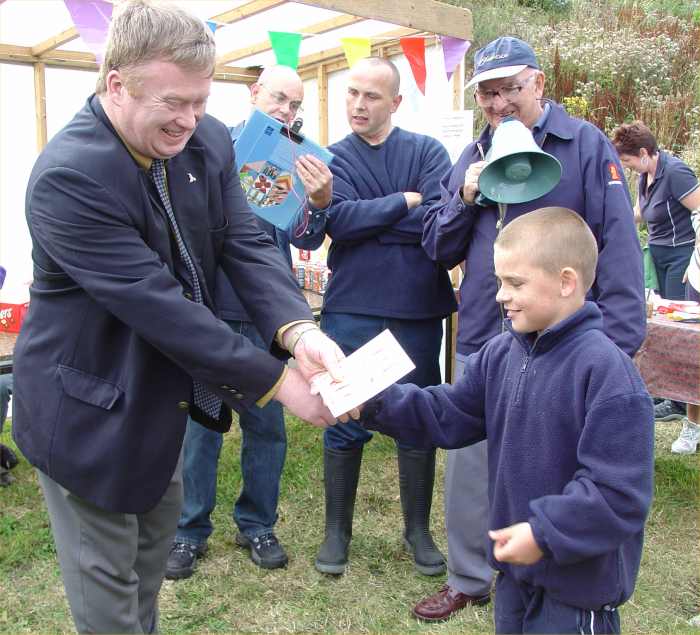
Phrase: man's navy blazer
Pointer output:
(104, 362)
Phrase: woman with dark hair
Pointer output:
(667, 193)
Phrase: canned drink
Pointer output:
(300, 275)
(316, 280)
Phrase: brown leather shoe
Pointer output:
(443, 604)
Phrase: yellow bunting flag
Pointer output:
(355, 48)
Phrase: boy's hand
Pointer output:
(515, 544)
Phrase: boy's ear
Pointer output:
(569, 281)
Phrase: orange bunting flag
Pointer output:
(355, 48)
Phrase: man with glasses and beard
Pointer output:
(509, 83)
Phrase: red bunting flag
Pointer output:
(414, 50)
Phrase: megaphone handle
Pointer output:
(502, 207)
(480, 199)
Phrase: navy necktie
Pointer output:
(203, 399)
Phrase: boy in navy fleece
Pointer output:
(570, 430)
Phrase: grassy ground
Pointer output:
(230, 594)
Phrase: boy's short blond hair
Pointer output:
(554, 238)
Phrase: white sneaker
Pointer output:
(688, 439)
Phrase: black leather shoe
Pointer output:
(182, 560)
(265, 551)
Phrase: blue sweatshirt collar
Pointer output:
(357, 139)
(587, 318)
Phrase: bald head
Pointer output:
(379, 66)
(372, 98)
(278, 92)
(279, 74)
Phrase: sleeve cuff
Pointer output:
(539, 536)
(267, 397)
(285, 327)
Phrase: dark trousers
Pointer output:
(521, 608)
(419, 338)
(263, 452)
(670, 264)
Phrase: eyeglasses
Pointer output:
(506, 93)
(281, 99)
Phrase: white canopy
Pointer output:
(47, 71)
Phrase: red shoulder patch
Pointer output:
(614, 172)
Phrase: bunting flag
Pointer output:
(453, 50)
(355, 48)
(91, 18)
(212, 25)
(286, 47)
(414, 50)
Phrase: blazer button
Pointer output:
(238, 395)
(188, 295)
(183, 405)
(225, 387)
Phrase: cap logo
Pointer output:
(492, 58)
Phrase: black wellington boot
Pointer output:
(416, 477)
(341, 471)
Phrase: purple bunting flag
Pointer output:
(91, 18)
(453, 50)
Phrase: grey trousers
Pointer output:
(112, 564)
(466, 515)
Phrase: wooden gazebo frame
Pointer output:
(412, 17)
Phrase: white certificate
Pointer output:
(369, 370)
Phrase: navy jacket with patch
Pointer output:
(591, 185)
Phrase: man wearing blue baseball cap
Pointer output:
(508, 82)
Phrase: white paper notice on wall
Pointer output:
(369, 370)
(455, 129)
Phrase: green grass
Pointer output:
(230, 594)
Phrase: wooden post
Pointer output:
(40, 105)
(322, 85)
(456, 273)
(458, 87)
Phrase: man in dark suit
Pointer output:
(132, 207)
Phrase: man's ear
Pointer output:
(396, 102)
(539, 84)
(254, 90)
(116, 88)
(569, 281)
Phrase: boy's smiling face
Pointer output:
(532, 297)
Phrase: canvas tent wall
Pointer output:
(47, 71)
